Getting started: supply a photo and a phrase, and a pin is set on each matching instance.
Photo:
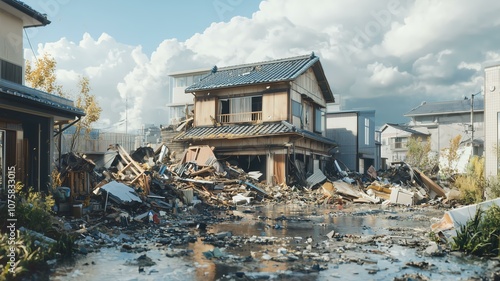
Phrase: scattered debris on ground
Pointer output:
(146, 196)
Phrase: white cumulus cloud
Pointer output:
(375, 54)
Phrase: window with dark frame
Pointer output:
(11, 72)
(318, 120)
(296, 109)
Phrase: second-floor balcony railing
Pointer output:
(242, 117)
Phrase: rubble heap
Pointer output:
(149, 179)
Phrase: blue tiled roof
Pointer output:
(264, 72)
(246, 131)
(446, 107)
(39, 98)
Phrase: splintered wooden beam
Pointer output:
(129, 164)
(431, 185)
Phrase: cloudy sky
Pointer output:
(385, 55)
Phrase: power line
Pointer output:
(29, 42)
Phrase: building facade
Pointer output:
(492, 117)
(394, 140)
(29, 119)
(266, 116)
(446, 120)
(180, 105)
(354, 133)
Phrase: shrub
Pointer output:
(28, 256)
(33, 212)
(420, 156)
(472, 185)
(480, 235)
(492, 187)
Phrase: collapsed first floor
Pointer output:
(281, 155)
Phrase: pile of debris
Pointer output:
(148, 180)
(401, 184)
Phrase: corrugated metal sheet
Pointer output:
(315, 178)
(234, 131)
(255, 73)
(435, 108)
(245, 131)
(39, 97)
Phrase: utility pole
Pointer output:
(472, 121)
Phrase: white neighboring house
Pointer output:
(354, 132)
(446, 120)
(394, 139)
(178, 100)
(492, 117)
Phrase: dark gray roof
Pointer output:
(30, 96)
(446, 107)
(27, 10)
(406, 129)
(281, 70)
(247, 131)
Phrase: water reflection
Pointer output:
(289, 226)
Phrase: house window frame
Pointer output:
(367, 131)
(11, 72)
(180, 82)
(318, 119)
(297, 109)
(401, 144)
(226, 115)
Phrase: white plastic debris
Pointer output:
(240, 198)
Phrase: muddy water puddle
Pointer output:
(292, 242)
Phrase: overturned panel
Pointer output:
(121, 193)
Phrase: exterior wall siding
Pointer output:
(11, 39)
(343, 129)
(492, 109)
(275, 107)
(203, 109)
(308, 84)
(444, 128)
(386, 150)
(366, 148)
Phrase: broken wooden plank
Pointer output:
(208, 169)
(431, 185)
(130, 163)
(195, 181)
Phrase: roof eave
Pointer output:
(41, 19)
(444, 113)
(187, 90)
(323, 82)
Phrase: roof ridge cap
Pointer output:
(263, 62)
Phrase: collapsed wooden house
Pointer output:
(265, 117)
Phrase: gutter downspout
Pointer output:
(357, 143)
(64, 129)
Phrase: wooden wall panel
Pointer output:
(203, 109)
(279, 169)
(275, 107)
